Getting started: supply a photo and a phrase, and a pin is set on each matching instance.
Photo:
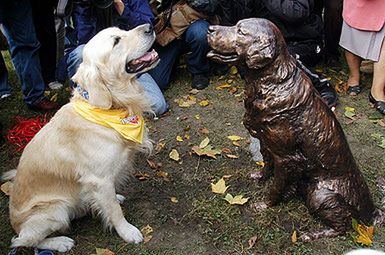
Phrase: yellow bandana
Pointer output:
(130, 127)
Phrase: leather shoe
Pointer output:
(200, 81)
(44, 105)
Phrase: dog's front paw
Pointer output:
(131, 235)
(259, 206)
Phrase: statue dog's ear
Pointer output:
(259, 55)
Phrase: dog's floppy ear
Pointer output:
(259, 55)
(89, 78)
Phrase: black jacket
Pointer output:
(295, 18)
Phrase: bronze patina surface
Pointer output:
(301, 138)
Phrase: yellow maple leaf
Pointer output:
(179, 138)
(204, 103)
(233, 70)
(219, 187)
(174, 155)
(197, 116)
(204, 143)
(365, 234)
(234, 138)
(237, 200)
(223, 86)
(260, 163)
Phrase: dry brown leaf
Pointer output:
(204, 131)
(226, 151)
(6, 187)
(152, 164)
(207, 151)
(252, 242)
(174, 155)
(381, 123)
(147, 233)
(163, 175)
(142, 176)
(101, 251)
(160, 145)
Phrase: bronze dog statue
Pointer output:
(300, 136)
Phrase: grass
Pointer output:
(202, 222)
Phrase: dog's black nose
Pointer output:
(148, 29)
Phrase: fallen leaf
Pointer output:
(204, 131)
(186, 101)
(376, 136)
(163, 175)
(179, 138)
(230, 81)
(260, 163)
(237, 200)
(223, 86)
(207, 151)
(294, 237)
(147, 233)
(226, 151)
(204, 103)
(234, 138)
(197, 116)
(382, 143)
(232, 156)
(204, 143)
(174, 155)
(54, 98)
(227, 176)
(6, 187)
(46, 93)
(233, 90)
(350, 112)
(152, 164)
(142, 176)
(236, 144)
(219, 187)
(233, 70)
(381, 123)
(101, 251)
(160, 146)
(194, 91)
(174, 200)
(187, 136)
(365, 233)
(252, 242)
(187, 128)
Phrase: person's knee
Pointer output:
(153, 94)
(197, 32)
(75, 58)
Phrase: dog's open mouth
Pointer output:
(138, 64)
(223, 57)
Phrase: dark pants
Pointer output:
(44, 21)
(194, 41)
(332, 19)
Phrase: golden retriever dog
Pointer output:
(74, 165)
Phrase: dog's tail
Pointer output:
(9, 176)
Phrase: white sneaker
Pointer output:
(5, 96)
(55, 85)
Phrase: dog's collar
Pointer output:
(82, 92)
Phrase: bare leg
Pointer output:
(354, 70)
(378, 84)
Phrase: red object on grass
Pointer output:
(24, 130)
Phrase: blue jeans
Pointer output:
(194, 40)
(153, 93)
(18, 28)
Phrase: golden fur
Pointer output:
(73, 165)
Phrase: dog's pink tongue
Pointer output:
(146, 57)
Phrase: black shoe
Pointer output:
(44, 105)
(379, 105)
(327, 92)
(200, 81)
